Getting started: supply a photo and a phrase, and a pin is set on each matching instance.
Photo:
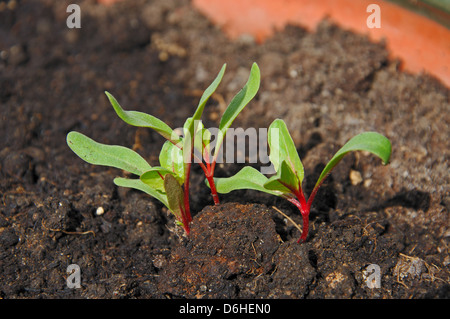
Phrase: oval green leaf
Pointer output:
(171, 158)
(155, 178)
(202, 143)
(190, 124)
(372, 142)
(237, 104)
(107, 155)
(247, 178)
(207, 93)
(141, 186)
(285, 181)
(282, 148)
(141, 119)
(175, 196)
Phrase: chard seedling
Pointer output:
(169, 182)
(203, 138)
(287, 182)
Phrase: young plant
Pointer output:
(169, 182)
(203, 136)
(287, 182)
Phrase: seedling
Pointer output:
(203, 137)
(169, 182)
(287, 182)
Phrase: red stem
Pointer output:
(212, 185)
(187, 210)
(304, 208)
(185, 219)
(209, 174)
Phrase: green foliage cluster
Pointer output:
(169, 182)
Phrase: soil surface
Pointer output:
(158, 57)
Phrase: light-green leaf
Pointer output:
(237, 104)
(284, 181)
(247, 178)
(141, 186)
(155, 178)
(141, 119)
(207, 94)
(372, 142)
(171, 158)
(242, 98)
(107, 155)
(175, 196)
(191, 123)
(282, 148)
(202, 142)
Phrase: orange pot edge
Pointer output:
(420, 43)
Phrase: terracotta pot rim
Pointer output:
(423, 45)
(420, 43)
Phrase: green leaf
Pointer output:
(155, 178)
(372, 142)
(107, 155)
(202, 142)
(282, 148)
(140, 185)
(207, 94)
(175, 196)
(247, 178)
(190, 124)
(274, 184)
(171, 158)
(206, 140)
(285, 181)
(188, 146)
(245, 95)
(238, 103)
(141, 119)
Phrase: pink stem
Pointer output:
(305, 207)
(214, 194)
(208, 170)
(187, 210)
(185, 219)
(302, 206)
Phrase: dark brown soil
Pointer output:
(157, 57)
